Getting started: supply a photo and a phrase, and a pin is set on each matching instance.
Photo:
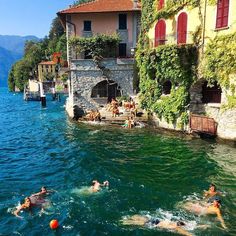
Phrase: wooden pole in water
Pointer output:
(42, 96)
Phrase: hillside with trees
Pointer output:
(11, 50)
(34, 53)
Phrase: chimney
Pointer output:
(135, 4)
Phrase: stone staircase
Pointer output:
(124, 114)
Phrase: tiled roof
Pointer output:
(103, 6)
(47, 63)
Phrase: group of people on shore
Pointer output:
(114, 107)
(93, 115)
(210, 205)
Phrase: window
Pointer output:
(160, 33)
(182, 28)
(87, 25)
(122, 21)
(222, 13)
(122, 50)
(166, 88)
(161, 4)
(211, 94)
(87, 54)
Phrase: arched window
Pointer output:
(166, 88)
(160, 33)
(161, 4)
(222, 13)
(182, 28)
(211, 94)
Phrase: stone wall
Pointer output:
(226, 120)
(85, 74)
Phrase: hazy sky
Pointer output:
(29, 17)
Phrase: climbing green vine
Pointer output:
(173, 63)
(219, 59)
(219, 64)
(97, 46)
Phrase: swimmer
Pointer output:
(43, 192)
(140, 220)
(27, 205)
(212, 209)
(96, 186)
(211, 193)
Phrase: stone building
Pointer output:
(89, 86)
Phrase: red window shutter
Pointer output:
(182, 28)
(160, 33)
(161, 4)
(222, 13)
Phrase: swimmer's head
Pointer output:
(216, 202)
(94, 182)
(212, 187)
(180, 223)
(27, 202)
(43, 189)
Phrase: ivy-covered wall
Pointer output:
(219, 65)
(177, 64)
(184, 64)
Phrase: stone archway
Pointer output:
(104, 91)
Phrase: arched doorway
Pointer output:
(104, 91)
(211, 94)
(182, 28)
(160, 33)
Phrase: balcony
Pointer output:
(123, 33)
(87, 34)
(171, 39)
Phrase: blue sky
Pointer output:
(29, 17)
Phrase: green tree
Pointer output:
(21, 73)
(56, 30)
(35, 52)
(11, 80)
(81, 1)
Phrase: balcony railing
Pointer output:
(172, 39)
(87, 34)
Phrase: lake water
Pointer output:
(149, 173)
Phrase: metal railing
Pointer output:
(172, 39)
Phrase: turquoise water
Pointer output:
(149, 173)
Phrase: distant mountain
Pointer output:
(11, 50)
(15, 43)
(7, 59)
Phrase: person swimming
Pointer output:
(212, 209)
(27, 205)
(36, 199)
(140, 220)
(96, 186)
(211, 193)
(44, 191)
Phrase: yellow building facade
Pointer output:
(46, 71)
(203, 16)
(199, 24)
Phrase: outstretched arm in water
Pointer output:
(17, 211)
(182, 231)
(220, 218)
